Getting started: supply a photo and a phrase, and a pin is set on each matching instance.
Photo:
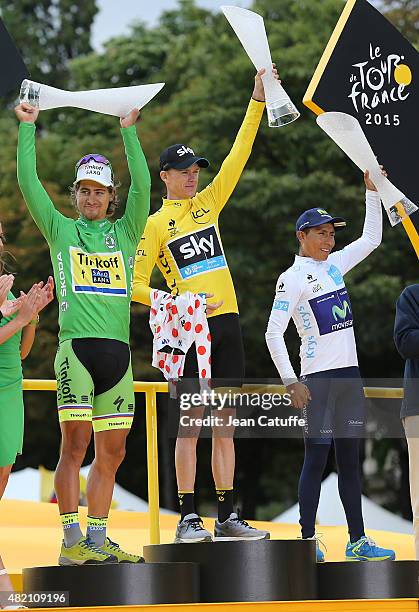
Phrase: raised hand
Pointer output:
(11, 306)
(368, 182)
(6, 283)
(29, 306)
(259, 91)
(26, 113)
(46, 294)
(130, 119)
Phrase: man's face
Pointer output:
(181, 184)
(92, 200)
(317, 242)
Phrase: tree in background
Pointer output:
(208, 84)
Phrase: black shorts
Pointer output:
(106, 360)
(227, 370)
(94, 383)
(227, 353)
(337, 406)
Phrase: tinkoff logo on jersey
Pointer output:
(99, 273)
(198, 252)
(332, 311)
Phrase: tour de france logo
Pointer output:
(378, 83)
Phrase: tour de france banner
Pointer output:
(370, 71)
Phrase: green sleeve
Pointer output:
(43, 211)
(138, 202)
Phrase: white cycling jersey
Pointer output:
(313, 293)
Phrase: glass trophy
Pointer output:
(348, 134)
(250, 30)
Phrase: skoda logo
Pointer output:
(110, 241)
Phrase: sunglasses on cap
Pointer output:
(100, 159)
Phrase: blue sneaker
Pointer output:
(319, 552)
(365, 549)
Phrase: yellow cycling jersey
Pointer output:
(183, 237)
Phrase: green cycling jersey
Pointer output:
(93, 261)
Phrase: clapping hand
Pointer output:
(29, 305)
(46, 294)
(6, 282)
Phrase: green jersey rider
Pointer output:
(93, 262)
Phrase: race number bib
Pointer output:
(102, 273)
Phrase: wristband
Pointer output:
(34, 322)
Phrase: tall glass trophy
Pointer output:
(348, 134)
(250, 30)
(117, 101)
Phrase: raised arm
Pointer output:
(371, 237)
(138, 202)
(227, 178)
(38, 201)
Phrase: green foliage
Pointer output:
(209, 80)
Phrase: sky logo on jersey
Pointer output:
(281, 305)
(332, 311)
(198, 252)
(98, 273)
(335, 275)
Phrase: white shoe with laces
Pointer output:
(191, 530)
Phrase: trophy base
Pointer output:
(399, 211)
(278, 116)
(30, 92)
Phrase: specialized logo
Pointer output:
(198, 252)
(332, 311)
(118, 403)
(98, 273)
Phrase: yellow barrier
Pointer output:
(151, 389)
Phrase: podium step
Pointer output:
(117, 584)
(264, 570)
(368, 580)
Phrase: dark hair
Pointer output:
(113, 204)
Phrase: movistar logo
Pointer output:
(341, 313)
